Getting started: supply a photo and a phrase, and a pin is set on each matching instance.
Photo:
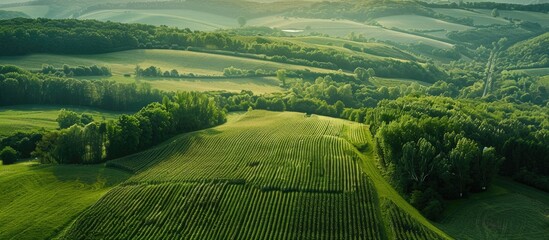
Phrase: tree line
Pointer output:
(18, 86)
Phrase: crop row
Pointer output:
(228, 211)
(404, 226)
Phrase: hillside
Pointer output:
(257, 177)
(531, 53)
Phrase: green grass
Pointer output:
(38, 201)
(374, 50)
(125, 61)
(263, 175)
(479, 18)
(537, 17)
(27, 118)
(395, 82)
(32, 11)
(508, 210)
(258, 85)
(415, 22)
(180, 18)
(342, 28)
(535, 71)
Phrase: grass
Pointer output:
(395, 82)
(508, 210)
(479, 18)
(125, 61)
(342, 28)
(415, 22)
(537, 17)
(28, 118)
(40, 200)
(258, 85)
(374, 50)
(33, 11)
(263, 175)
(180, 18)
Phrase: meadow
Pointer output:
(180, 18)
(219, 186)
(479, 18)
(38, 201)
(28, 118)
(437, 28)
(536, 17)
(508, 210)
(342, 28)
(33, 11)
(125, 61)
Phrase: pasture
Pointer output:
(431, 26)
(34, 11)
(258, 85)
(301, 179)
(479, 18)
(125, 61)
(180, 18)
(395, 82)
(26, 118)
(536, 17)
(342, 28)
(38, 201)
(508, 210)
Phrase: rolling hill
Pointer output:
(303, 178)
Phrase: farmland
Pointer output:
(479, 18)
(39, 201)
(125, 61)
(293, 191)
(27, 118)
(431, 26)
(174, 18)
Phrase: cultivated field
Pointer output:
(125, 61)
(27, 118)
(479, 18)
(509, 210)
(38, 201)
(180, 18)
(342, 28)
(437, 28)
(302, 179)
(537, 17)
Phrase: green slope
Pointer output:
(38, 201)
(264, 175)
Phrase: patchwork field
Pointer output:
(341, 28)
(303, 178)
(537, 17)
(38, 201)
(125, 61)
(435, 27)
(479, 18)
(34, 117)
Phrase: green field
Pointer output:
(394, 82)
(32, 11)
(342, 28)
(507, 211)
(479, 18)
(421, 23)
(537, 17)
(258, 85)
(213, 184)
(125, 61)
(34, 117)
(38, 201)
(534, 71)
(180, 18)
